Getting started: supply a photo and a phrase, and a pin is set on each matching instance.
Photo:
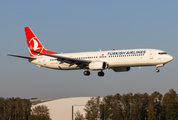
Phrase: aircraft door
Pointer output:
(151, 54)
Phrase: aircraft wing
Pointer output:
(29, 58)
(80, 63)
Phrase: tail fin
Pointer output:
(34, 44)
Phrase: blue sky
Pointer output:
(83, 25)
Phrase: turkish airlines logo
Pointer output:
(35, 44)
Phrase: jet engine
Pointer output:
(97, 65)
(121, 69)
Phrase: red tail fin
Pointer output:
(34, 44)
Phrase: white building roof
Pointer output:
(61, 109)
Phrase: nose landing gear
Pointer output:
(159, 65)
(157, 70)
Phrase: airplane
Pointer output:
(117, 60)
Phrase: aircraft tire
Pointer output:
(157, 70)
(101, 74)
(86, 73)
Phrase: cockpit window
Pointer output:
(161, 53)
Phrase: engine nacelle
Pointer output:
(97, 65)
(121, 69)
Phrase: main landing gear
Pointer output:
(87, 73)
(157, 66)
(101, 74)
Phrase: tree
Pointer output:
(127, 102)
(171, 103)
(113, 107)
(138, 106)
(14, 109)
(35, 117)
(42, 111)
(108, 106)
(154, 106)
(117, 111)
(92, 109)
(78, 116)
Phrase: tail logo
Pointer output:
(35, 45)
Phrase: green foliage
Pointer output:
(35, 117)
(113, 107)
(14, 109)
(41, 111)
(139, 103)
(78, 116)
(126, 103)
(135, 107)
(154, 106)
(171, 103)
(92, 109)
(20, 109)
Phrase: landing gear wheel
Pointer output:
(157, 70)
(101, 74)
(86, 73)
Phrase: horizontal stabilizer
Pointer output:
(30, 58)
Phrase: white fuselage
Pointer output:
(114, 58)
(117, 60)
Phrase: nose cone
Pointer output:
(170, 58)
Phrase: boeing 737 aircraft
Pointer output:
(118, 60)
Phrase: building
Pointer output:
(64, 108)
